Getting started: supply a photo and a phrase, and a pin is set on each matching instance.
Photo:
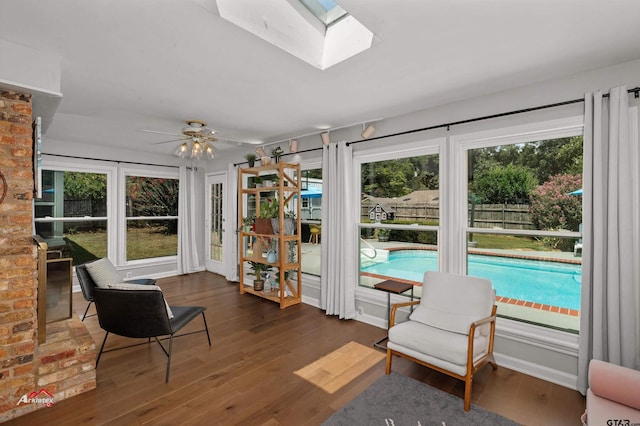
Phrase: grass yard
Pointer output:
(142, 243)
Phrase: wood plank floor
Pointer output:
(247, 376)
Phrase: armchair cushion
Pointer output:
(437, 343)
(103, 272)
(442, 306)
(131, 286)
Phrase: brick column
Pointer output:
(65, 365)
(18, 281)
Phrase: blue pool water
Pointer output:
(550, 283)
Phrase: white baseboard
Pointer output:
(536, 370)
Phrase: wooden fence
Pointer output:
(505, 216)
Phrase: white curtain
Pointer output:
(188, 260)
(339, 273)
(609, 319)
(231, 224)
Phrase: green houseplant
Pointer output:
(258, 270)
(251, 159)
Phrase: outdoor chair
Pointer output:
(87, 283)
(452, 329)
(143, 314)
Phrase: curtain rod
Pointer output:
(635, 91)
(113, 161)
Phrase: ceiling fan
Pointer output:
(197, 140)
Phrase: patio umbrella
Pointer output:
(576, 192)
(311, 193)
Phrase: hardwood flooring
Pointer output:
(247, 376)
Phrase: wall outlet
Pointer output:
(128, 275)
(360, 310)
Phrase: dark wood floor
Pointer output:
(246, 376)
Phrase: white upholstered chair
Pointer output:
(452, 329)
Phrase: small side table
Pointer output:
(395, 287)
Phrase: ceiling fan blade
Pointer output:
(173, 140)
(160, 133)
(240, 143)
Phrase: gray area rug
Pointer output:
(397, 400)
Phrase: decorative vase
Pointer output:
(265, 160)
(272, 257)
(289, 226)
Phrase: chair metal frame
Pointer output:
(143, 314)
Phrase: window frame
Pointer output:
(432, 146)
(122, 219)
(98, 168)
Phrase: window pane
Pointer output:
(311, 220)
(83, 241)
(149, 197)
(398, 254)
(405, 192)
(532, 283)
(73, 195)
(401, 191)
(151, 238)
(524, 188)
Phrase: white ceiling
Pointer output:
(129, 65)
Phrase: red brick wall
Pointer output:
(65, 364)
(18, 281)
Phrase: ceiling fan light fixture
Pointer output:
(182, 150)
(196, 150)
(208, 150)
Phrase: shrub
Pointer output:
(553, 208)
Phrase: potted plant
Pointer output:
(251, 159)
(276, 153)
(258, 270)
(247, 223)
(269, 209)
(383, 234)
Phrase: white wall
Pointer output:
(546, 354)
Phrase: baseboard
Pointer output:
(536, 370)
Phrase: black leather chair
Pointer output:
(87, 285)
(142, 314)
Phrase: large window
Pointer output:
(311, 220)
(524, 217)
(151, 216)
(72, 214)
(399, 219)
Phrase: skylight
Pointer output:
(327, 11)
(318, 32)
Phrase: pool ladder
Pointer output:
(363, 251)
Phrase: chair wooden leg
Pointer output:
(101, 348)
(467, 393)
(389, 356)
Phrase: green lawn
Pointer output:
(142, 243)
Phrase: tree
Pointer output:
(153, 197)
(81, 186)
(504, 185)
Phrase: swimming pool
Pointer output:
(549, 283)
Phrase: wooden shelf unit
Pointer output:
(288, 196)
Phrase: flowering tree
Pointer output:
(553, 207)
